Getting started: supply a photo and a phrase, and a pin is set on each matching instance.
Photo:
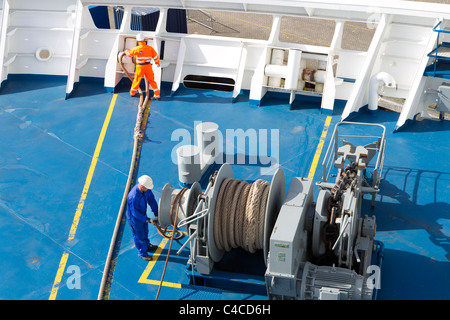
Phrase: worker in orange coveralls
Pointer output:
(144, 54)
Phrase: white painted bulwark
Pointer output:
(60, 38)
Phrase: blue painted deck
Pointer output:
(47, 147)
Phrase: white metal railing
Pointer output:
(332, 155)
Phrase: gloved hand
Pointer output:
(158, 65)
(153, 221)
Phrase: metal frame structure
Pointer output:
(332, 155)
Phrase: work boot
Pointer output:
(156, 98)
(146, 258)
(151, 247)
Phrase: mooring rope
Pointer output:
(138, 137)
(175, 203)
(240, 214)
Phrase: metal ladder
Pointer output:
(441, 52)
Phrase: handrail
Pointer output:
(440, 30)
(435, 56)
(332, 150)
(332, 147)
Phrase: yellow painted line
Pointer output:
(359, 27)
(59, 274)
(87, 184)
(305, 38)
(76, 219)
(144, 277)
(165, 284)
(151, 264)
(312, 170)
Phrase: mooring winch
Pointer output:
(229, 214)
(329, 251)
(319, 250)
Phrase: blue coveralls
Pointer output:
(137, 215)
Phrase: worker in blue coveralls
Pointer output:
(137, 201)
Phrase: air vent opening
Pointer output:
(209, 83)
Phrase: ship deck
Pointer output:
(65, 163)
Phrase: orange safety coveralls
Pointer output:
(144, 54)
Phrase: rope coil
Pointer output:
(239, 215)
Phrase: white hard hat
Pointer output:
(146, 181)
(140, 37)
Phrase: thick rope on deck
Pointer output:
(138, 136)
(239, 215)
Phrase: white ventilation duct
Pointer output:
(378, 79)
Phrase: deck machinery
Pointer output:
(320, 250)
(326, 253)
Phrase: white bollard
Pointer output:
(277, 59)
(208, 142)
(189, 164)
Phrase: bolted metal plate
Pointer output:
(277, 193)
(225, 171)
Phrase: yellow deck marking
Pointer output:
(144, 277)
(59, 274)
(76, 219)
(312, 170)
(165, 284)
(87, 184)
(151, 264)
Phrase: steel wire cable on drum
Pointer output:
(239, 215)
